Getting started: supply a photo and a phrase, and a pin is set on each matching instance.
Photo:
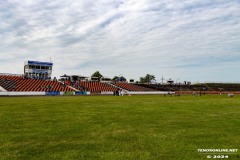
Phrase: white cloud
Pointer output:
(135, 37)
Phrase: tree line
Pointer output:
(148, 78)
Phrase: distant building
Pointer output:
(73, 78)
(105, 79)
(38, 70)
(130, 80)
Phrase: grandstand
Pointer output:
(104, 85)
(37, 78)
(132, 87)
(20, 83)
(95, 87)
(211, 88)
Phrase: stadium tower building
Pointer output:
(38, 70)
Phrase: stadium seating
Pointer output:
(93, 86)
(223, 86)
(132, 87)
(22, 84)
(19, 83)
(195, 87)
(7, 84)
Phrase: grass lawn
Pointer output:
(108, 127)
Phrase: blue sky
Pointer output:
(194, 40)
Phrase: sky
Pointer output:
(185, 40)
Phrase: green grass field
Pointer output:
(108, 127)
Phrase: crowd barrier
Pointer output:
(43, 93)
(81, 93)
(74, 93)
(52, 93)
(106, 93)
(66, 93)
(22, 93)
(3, 93)
(150, 93)
(207, 92)
(139, 93)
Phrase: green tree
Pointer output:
(147, 79)
(97, 74)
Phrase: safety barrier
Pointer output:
(22, 93)
(52, 93)
(149, 93)
(106, 93)
(66, 93)
(81, 93)
(75, 93)
(138, 93)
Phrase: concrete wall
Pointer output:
(140, 93)
(22, 93)
(2, 89)
(150, 93)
